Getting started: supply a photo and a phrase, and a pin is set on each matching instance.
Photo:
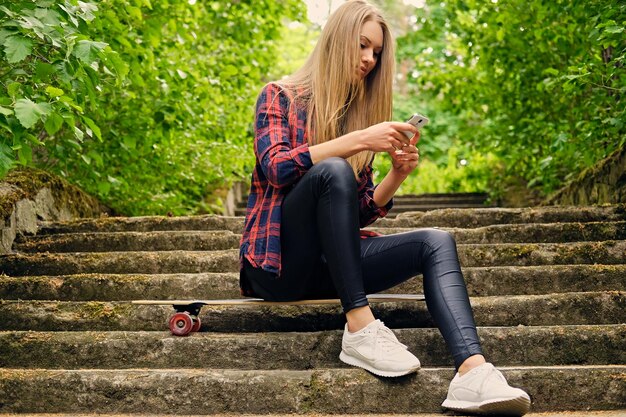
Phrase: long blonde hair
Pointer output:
(336, 101)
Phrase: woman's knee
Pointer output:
(439, 239)
(335, 170)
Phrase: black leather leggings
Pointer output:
(324, 256)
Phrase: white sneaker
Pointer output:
(484, 390)
(376, 349)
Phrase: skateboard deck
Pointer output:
(186, 320)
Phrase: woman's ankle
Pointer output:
(471, 363)
(358, 318)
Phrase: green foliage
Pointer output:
(540, 85)
(147, 105)
(296, 44)
(49, 65)
(460, 171)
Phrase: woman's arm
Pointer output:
(388, 187)
(381, 137)
(344, 146)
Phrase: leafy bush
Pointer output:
(540, 85)
(147, 105)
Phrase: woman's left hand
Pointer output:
(406, 159)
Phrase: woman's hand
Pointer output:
(386, 136)
(405, 160)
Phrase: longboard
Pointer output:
(186, 320)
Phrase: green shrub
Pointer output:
(156, 106)
(540, 85)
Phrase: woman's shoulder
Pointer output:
(275, 87)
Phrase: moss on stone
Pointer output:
(26, 182)
(93, 310)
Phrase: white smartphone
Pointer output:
(418, 121)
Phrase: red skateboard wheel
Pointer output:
(196, 325)
(181, 324)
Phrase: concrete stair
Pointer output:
(548, 288)
(420, 202)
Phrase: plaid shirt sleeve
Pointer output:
(368, 210)
(281, 162)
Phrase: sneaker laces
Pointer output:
(386, 339)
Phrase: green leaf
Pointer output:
(7, 158)
(87, 51)
(53, 123)
(13, 88)
(4, 34)
(29, 113)
(25, 154)
(5, 111)
(33, 139)
(87, 11)
(30, 22)
(614, 29)
(43, 71)
(7, 11)
(79, 134)
(93, 126)
(17, 48)
(54, 92)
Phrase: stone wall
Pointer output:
(30, 195)
(603, 183)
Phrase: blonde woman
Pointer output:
(316, 134)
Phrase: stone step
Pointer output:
(442, 199)
(475, 194)
(511, 254)
(529, 233)
(469, 218)
(609, 413)
(341, 391)
(506, 346)
(426, 200)
(403, 208)
(144, 224)
(119, 262)
(441, 218)
(193, 240)
(218, 240)
(608, 307)
(481, 281)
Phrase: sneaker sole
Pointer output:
(359, 363)
(509, 407)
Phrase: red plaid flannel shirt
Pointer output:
(282, 157)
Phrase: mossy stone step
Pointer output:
(529, 233)
(341, 391)
(111, 287)
(217, 240)
(425, 206)
(506, 254)
(481, 281)
(145, 224)
(193, 240)
(607, 307)
(466, 218)
(469, 218)
(611, 413)
(120, 262)
(505, 346)
(443, 199)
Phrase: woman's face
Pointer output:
(371, 47)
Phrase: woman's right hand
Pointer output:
(386, 136)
